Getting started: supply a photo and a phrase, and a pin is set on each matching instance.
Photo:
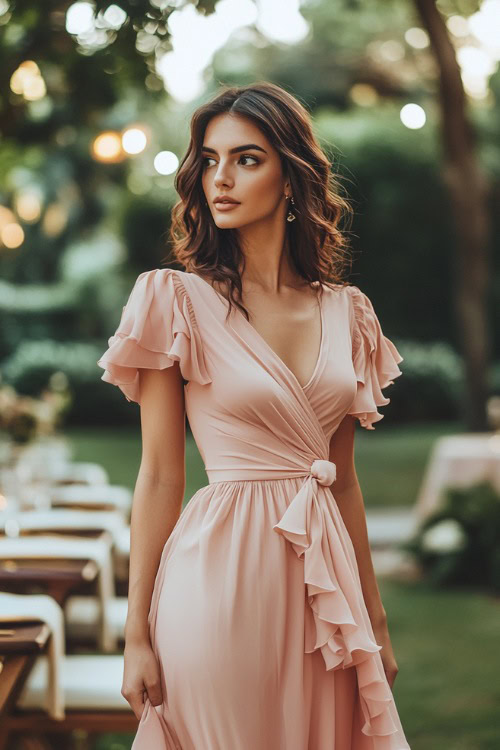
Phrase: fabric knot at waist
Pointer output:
(325, 472)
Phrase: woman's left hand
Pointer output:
(381, 633)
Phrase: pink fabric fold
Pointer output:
(375, 360)
(153, 730)
(157, 328)
(334, 624)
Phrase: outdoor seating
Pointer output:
(92, 698)
(81, 614)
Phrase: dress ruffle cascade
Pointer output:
(334, 622)
(375, 360)
(157, 328)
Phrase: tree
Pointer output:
(468, 188)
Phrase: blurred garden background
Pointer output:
(95, 103)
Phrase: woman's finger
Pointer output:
(136, 701)
(154, 691)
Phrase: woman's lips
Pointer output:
(220, 206)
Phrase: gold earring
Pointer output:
(291, 216)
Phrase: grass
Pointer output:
(390, 465)
(447, 690)
(119, 451)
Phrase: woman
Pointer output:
(255, 621)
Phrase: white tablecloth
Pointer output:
(458, 461)
(97, 494)
(112, 521)
(54, 546)
(42, 607)
(79, 471)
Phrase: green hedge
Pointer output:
(93, 400)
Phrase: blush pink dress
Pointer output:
(257, 616)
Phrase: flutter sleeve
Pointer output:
(157, 328)
(375, 360)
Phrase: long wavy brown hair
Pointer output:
(318, 247)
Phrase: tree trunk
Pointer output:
(468, 189)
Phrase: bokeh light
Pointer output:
(413, 116)
(271, 17)
(28, 205)
(12, 235)
(166, 162)
(417, 37)
(114, 17)
(476, 67)
(134, 140)
(485, 25)
(363, 94)
(6, 217)
(458, 26)
(195, 38)
(80, 18)
(27, 81)
(107, 147)
(392, 50)
(55, 219)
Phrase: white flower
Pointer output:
(445, 536)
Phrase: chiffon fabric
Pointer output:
(257, 616)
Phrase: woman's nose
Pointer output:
(222, 177)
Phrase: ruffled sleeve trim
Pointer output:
(157, 328)
(375, 359)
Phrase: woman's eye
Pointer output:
(247, 156)
(206, 159)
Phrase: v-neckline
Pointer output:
(268, 347)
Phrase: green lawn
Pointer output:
(446, 646)
(446, 643)
(120, 452)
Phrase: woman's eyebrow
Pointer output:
(237, 149)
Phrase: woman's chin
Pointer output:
(226, 222)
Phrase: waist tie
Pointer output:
(336, 620)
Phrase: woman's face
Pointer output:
(239, 162)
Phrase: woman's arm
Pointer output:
(349, 498)
(159, 489)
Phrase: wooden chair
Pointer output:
(93, 699)
(81, 614)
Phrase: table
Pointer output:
(18, 652)
(59, 565)
(458, 461)
(57, 577)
